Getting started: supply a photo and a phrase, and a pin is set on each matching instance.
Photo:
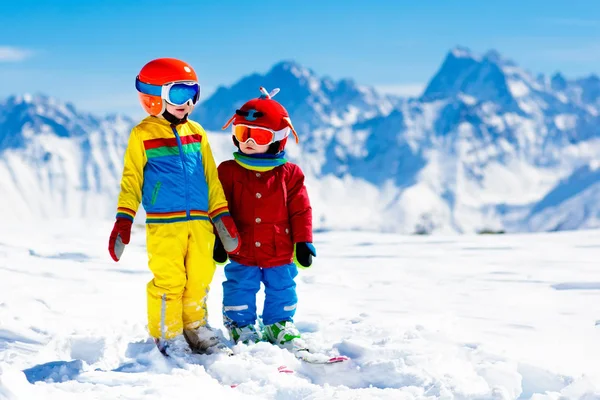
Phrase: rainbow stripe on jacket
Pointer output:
(123, 212)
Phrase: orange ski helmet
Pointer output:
(156, 79)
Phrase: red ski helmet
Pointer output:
(264, 112)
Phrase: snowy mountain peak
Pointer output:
(291, 67)
(312, 101)
(38, 100)
(461, 52)
(590, 89)
(26, 115)
(558, 82)
(593, 79)
(26, 98)
(494, 57)
(481, 78)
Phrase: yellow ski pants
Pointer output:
(180, 255)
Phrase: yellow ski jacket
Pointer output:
(171, 172)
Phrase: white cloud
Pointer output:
(13, 54)
(402, 89)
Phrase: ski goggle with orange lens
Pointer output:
(175, 93)
(260, 136)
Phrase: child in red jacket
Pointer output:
(271, 209)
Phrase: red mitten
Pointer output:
(119, 237)
(228, 233)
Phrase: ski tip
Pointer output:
(337, 359)
(317, 358)
(284, 370)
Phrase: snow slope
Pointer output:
(572, 204)
(469, 317)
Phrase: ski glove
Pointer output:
(119, 237)
(304, 253)
(219, 253)
(228, 233)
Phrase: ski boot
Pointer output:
(204, 340)
(245, 334)
(163, 345)
(285, 335)
(171, 347)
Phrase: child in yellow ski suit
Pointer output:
(170, 169)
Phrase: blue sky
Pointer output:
(89, 52)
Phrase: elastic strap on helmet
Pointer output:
(274, 148)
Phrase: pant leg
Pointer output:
(239, 294)
(200, 268)
(280, 293)
(166, 245)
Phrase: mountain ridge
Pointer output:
(485, 141)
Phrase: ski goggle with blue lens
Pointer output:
(175, 93)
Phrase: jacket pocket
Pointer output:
(155, 191)
(283, 240)
(265, 240)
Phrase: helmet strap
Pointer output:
(274, 147)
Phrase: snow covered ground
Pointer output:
(452, 317)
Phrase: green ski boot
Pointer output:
(245, 334)
(285, 335)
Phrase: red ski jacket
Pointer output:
(271, 210)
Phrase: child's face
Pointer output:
(252, 148)
(179, 111)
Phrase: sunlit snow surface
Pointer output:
(463, 317)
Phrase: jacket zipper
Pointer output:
(185, 176)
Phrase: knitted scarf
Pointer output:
(260, 162)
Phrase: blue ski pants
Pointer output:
(243, 282)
